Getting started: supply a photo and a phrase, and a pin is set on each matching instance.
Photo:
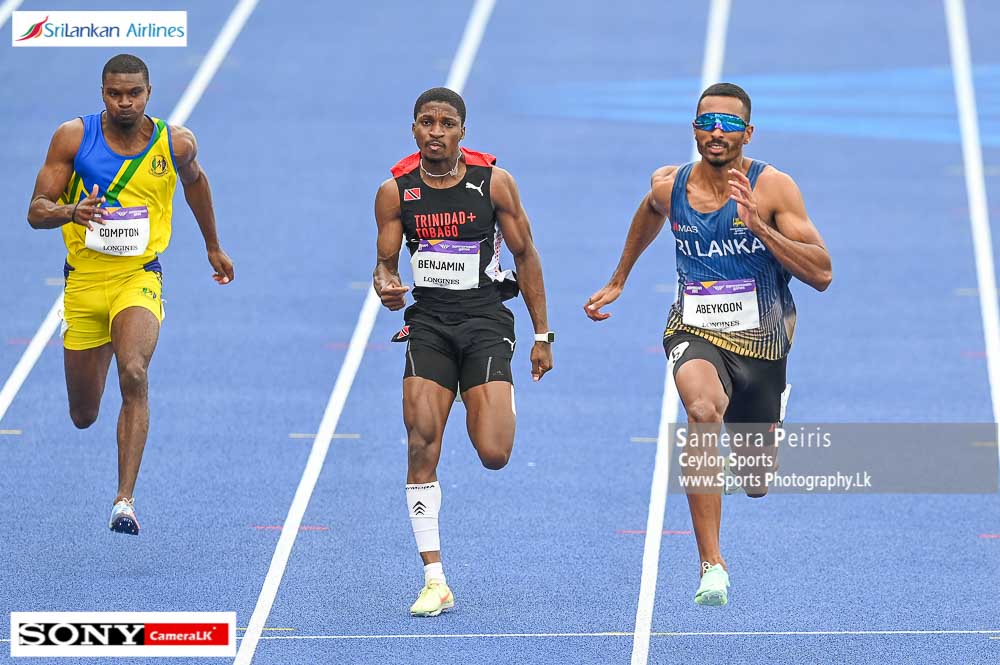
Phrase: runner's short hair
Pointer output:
(727, 90)
(125, 63)
(445, 95)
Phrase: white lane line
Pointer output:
(654, 522)
(471, 38)
(975, 186)
(715, 47)
(442, 636)
(8, 8)
(30, 356)
(317, 456)
(209, 66)
(807, 633)
(994, 634)
(469, 46)
(213, 60)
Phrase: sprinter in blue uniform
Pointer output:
(741, 233)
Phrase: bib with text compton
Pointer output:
(125, 232)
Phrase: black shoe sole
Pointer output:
(125, 525)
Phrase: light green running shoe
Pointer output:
(434, 598)
(714, 588)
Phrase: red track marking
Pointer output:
(642, 532)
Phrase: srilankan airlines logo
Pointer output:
(99, 28)
(34, 31)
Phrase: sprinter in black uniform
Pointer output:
(453, 208)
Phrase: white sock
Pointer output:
(434, 571)
(425, 502)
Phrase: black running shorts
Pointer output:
(455, 350)
(754, 386)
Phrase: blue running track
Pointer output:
(581, 102)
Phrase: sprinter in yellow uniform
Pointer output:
(108, 182)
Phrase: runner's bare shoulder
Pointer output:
(387, 205)
(661, 185)
(183, 141)
(67, 138)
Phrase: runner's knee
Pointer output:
(83, 416)
(133, 380)
(705, 410)
(494, 457)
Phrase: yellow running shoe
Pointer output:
(434, 598)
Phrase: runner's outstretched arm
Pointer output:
(517, 234)
(198, 195)
(646, 225)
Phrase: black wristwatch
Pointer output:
(547, 337)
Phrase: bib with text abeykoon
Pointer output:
(724, 306)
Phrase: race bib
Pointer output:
(721, 306)
(125, 232)
(446, 264)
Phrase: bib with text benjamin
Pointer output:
(446, 264)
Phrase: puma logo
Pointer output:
(511, 342)
(478, 188)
